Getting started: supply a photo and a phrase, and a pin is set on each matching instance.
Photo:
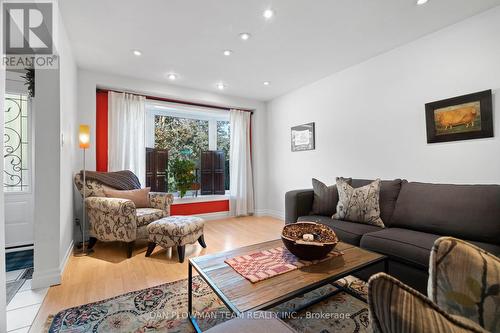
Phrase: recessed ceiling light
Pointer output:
(221, 86)
(227, 53)
(172, 76)
(422, 2)
(266, 83)
(137, 52)
(245, 36)
(268, 13)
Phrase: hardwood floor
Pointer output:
(108, 272)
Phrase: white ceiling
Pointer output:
(305, 41)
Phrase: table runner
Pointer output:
(261, 265)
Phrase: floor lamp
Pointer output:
(84, 141)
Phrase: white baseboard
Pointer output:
(62, 266)
(270, 212)
(46, 278)
(51, 277)
(214, 216)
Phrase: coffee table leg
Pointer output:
(191, 316)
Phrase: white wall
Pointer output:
(46, 120)
(55, 132)
(370, 118)
(69, 143)
(88, 81)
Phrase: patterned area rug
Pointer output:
(163, 309)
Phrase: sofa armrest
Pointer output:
(111, 219)
(395, 307)
(298, 203)
(161, 201)
(464, 280)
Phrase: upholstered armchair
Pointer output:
(113, 219)
(463, 294)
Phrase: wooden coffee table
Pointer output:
(240, 295)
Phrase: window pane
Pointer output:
(183, 137)
(223, 142)
(16, 149)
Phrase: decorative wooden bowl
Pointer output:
(324, 241)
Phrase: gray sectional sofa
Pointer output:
(415, 215)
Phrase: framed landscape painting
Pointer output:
(303, 137)
(460, 118)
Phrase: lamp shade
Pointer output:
(84, 136)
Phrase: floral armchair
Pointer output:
(113, 219)
(463, 294)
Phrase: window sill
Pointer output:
(201, 198)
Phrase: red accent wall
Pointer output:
(200, 207)
(101, 131)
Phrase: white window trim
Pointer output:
(158, 108)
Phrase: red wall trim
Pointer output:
(200, 207)
(101, 131)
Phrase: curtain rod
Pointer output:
(178, 101)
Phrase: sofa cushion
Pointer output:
(147, 215)
(348, 232)
(412, 247)
(409, 246)
(464, 211)
(389, 191)
(491, 248)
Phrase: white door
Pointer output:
(18, 219)
(18, 164)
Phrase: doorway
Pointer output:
(18, 202)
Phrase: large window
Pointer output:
(16, 144)
(187, 131)
(182, 137)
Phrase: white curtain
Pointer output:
(241, 188)
(126, 134)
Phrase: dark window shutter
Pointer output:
(161, 170)
(156, 169)
(219, 159)
(207, 181)
(212, 172)
(150, 168)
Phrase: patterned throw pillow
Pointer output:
(359, 204)
(464, 280)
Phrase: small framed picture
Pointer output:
(460, 118)
(303, 137)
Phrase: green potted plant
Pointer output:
(183, 173)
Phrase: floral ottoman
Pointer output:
(175, 231)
